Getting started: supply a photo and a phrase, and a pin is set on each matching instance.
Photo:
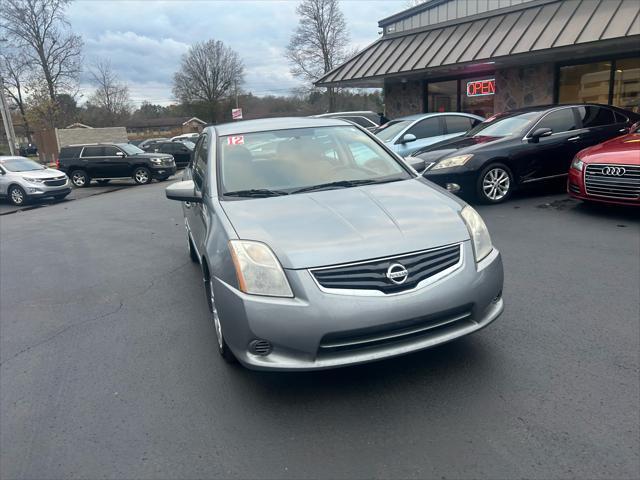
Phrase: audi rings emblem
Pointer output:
(397, 273)
(614, 171)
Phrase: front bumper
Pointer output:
(161, 171)
(576, 189)
(34, 190)
(465, 179)
(299, 328)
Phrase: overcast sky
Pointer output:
(145, 39)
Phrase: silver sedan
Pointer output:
(320, 247)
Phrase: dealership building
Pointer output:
(488, 56)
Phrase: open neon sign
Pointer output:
(478, 88)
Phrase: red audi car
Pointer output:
(608, 172)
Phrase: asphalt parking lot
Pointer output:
(109, 367)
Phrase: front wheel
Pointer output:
(80, 178)
(142, 176)
(223, 348)
(495, 184)
(17, 195)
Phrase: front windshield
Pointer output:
(285, 161)
(388, 131)
(130, 149)
(503, 126)
(21, 165)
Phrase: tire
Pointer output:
(495, 184)
(223, 348)
(142, 176)
(17, 196)
(193, 255)
(103, 182)
(80, 178)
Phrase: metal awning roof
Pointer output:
(535, 28)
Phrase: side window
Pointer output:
(595, 116)
(200, 161)
(363, 122)
(620, 118)
(70, 152)
(457, 124)
(559, 121)
(110, 151)
(93, 152)
(429, 127)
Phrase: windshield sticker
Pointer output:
(236, 140)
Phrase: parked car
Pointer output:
(104, 161)
(315, 257)
(608, 172)
(520, 147)
(181, 151)
(28, 150)
(365, 118)
(22, 179)
(407, 134)
(145, 143)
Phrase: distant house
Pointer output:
(163, 127)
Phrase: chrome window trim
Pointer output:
(526, 137)
(377, 293)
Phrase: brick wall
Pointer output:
(523, 86)
(402, 99)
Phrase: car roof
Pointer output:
(13, 157)
(337, 114)
(279, 123)
(419, 116)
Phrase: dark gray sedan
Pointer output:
(320, 247)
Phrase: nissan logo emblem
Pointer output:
(397, 273)
(614, 171)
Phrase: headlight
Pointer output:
(157, 161)
(33, 180)
(449, 162)
(258, 269)
(478, 231)
(577, 164)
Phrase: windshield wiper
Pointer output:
(340, 183)
(256, 192)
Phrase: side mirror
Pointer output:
(184, 191)
(119, 154)
(408, 137)
(539, 133)
(417, 163)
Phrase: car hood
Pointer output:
(352, 224)
(624, 149)
(152, 155)
(46, 173)
(459, 146)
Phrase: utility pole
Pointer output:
(235, 83)
(7, 120)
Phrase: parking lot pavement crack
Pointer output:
(61, 331)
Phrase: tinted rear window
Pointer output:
(70, 152)
(595, 116)
(93, 152)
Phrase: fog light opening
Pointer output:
(260, 347)
(453, 187)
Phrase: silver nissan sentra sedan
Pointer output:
(319, 247)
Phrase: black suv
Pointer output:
(105, 161)
(181, 152)
(520, 147)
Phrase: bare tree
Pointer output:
(14, 69)
(111, 95)
(41, 29)
(319, 43)
(209, 72)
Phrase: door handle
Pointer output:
(573, 139)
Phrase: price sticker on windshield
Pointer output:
(235, 140)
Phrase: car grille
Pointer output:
(574, 188)
(372, 275)
(414, 329)
(55, 182)
(613, 181)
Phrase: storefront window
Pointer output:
(626, 84)
(442, 96)
(477, 95)
(586, 83)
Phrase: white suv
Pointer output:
(22, 179)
